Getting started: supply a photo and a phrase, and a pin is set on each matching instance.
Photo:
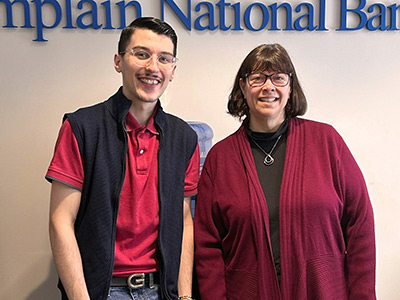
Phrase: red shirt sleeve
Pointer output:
(192, 173)
(66, 165)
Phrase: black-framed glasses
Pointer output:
(142, 58)
(279, 79)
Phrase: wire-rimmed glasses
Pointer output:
(142, 58)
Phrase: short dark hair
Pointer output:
(271, 57)
(151, 23)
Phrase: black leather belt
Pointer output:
(136, 280)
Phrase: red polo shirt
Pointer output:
(138, 216)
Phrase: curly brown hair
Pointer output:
(271, 57)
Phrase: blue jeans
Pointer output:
(125, 293)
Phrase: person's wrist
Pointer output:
(185, 297)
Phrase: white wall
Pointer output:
(41, 81)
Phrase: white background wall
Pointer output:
(350, 79)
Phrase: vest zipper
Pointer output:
(117, 204)
(163, 284)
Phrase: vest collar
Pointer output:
(119, 107)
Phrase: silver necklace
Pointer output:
(268, 160)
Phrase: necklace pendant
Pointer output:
(268, 160)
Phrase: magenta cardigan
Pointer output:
(326, 222)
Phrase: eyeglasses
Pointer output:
(142, 58)
(279, 79)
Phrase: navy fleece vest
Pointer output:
(102, 140)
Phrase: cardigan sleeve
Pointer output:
(209, 262)
(358, 229)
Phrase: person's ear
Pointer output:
(118, 63)
(242, 85)
(172, 74)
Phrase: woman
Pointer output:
(282, 211)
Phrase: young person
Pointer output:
(122, 175)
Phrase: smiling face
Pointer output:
(145, 84)
(266, 104)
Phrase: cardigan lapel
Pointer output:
(267, 279)
(291, 213)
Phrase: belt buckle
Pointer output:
(136, 281)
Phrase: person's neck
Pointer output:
(142, 111)
(266, 125)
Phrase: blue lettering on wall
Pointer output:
(203, 15)
(236, 8)
(247, 15)
(222, 5)
(393, 18)
(374, 22)
(68, 14)
(107, 7)
(89, 18)
(308, 18)
(379, 19)
(274, 15)
(269, 15)
(122, 11)
(186, 19)
(9, 14)
(91, 14)
(39, 19)
(208, 16)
